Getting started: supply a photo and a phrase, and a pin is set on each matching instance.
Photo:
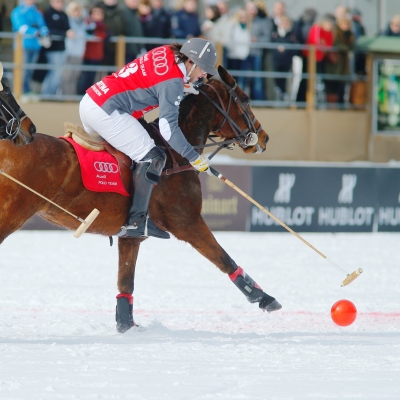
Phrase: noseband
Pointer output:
(13, 124)
(246, 137)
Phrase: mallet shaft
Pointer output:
(233, 186)
(43, 197)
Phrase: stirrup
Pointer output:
(149, 229)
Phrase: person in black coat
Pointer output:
(281, 56)
(185, 22)
(156, 22)
(133, 28)
(57, 22)
(393, 29)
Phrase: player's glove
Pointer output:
(189, 88)
(201, 164)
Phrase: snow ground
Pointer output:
(199, 337)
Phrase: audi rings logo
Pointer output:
(160, 61)
(100, 166)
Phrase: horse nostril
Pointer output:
(266, 139)
(33, 129)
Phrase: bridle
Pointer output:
(246, 137)
(12, 125)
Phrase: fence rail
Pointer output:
(314, 79)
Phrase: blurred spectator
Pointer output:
(222, 28)
(185, 22)
(58, 24)
(260, 33)
(133, 28)
(340, 65)
(359, 30)
(341, 12)
(393, 28)
(282, 57)
(321, 34)
(303, 25)
(28, 20)
(2, 15)
(75, 47)
(145, 16)
(209, 27)
(302, 28)
(114, 19)
(94, 52)
(161, 19)
(278, 11)
(238, 48)
(358, 27)
(266, 53)
(156, 23)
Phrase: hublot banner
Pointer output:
(306, 198)
(314, 199)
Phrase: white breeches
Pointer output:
(122, 131)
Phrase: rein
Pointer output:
(245, 137)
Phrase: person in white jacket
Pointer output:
(238, 48)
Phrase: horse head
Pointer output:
(235, 119)
(14, 123)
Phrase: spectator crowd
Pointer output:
(67, 35)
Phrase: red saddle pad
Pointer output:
(99, 169)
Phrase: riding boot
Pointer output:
(146, 174)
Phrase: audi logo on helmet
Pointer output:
(160, 61)
(100, 166)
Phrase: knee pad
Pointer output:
(156, 158)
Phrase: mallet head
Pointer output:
(350, 278)
(86, 223)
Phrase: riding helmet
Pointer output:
(202, 53)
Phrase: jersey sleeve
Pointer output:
(170, 94)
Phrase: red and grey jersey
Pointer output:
(150, 81)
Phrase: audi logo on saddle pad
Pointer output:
(105, 167)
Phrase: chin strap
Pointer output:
(192, 69)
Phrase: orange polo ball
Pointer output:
(343, 313)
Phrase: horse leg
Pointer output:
(205, 243)
(16, 207)
(128, 249)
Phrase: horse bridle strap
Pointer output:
(13, 125)
(242, 135)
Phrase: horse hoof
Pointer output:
(122, 328)
(269, 304)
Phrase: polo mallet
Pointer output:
(85, 222)
(350, 277)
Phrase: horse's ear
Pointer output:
(226, 76)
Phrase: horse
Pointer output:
(49, 165)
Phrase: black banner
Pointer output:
(388, 213)
(223, 208)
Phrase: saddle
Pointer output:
(94, 142)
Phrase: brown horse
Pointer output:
(49, 166)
